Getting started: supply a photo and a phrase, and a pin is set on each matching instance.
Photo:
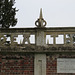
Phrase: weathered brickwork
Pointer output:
(17, 64)
(51, 64)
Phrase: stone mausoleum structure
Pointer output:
(51, 53)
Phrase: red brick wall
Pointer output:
(17, 64)
(23, 64)
(51, 64)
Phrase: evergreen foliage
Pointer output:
(7, 13)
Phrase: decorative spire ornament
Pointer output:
(40, 22)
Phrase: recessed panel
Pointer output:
(65, 65)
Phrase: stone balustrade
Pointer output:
(57, 37)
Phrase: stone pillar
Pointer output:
(40, 38)
(40, 64)
(40, 58)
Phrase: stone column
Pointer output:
(40, 38)
(40, 58)
(40, 64)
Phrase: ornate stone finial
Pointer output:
(40, 22)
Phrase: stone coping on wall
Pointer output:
(40, 49)
(33, 29)
(17, 30)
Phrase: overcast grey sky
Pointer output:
(57, 13)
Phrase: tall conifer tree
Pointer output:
(7, 13)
